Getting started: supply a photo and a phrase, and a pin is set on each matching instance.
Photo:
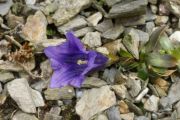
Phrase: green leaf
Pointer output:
(154, 38)
(164, 61)
(142, 71)
(165, 43)
(124, 53)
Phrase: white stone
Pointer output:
(175, 37)
(152, 104)
(95, 18)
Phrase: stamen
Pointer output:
(80, 62)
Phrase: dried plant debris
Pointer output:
(44, 76)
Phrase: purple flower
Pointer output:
(71, 62)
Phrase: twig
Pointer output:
(11, 38)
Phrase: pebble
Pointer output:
(175, 37)
(95, 18)
(152, 1)
(102, 50)
(121, 91)
(101, 117)
(113, 113)
(91, 82)
(92, 39)
(154, 9)
(114, 46)
(128, 116)
(141, 118)
(83, 31)
(24, 96)
(161, 20)
(123, 107)
(46, 70)
(9, 66)
(23, 116)
(95, 101)
(114, 32)
(30, 2)
(152, 104)
(174, 7)
(52, 42)
(128, 9)
(35, 34)
(60, 93)
(104, 25)
(109, 75)
(67, 9)
(5, 7)
(49, 116)
(74, 24)
(141, 95)
(112, 2)
(13, 20)
(6, 76)
(149, 27)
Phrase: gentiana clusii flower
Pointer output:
(71, 62)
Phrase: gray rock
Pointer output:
(109, 75)
(149, 27)
(101, 117)
(112, 2)
(113, 113)
(35, 34)
(95, 101)
(23, 116)
(46, 70)
(174, 7)
(83, 31)
(152, 1)
(132, 21)
(67, 9)
(49, 116)
(9, 66)
(91, 82)
(1, 89)
(128, 116)
(141, 95)
(179, 23)
(175, 37)
(177, 107)
(5, 7)
(19, 90)
(105, 25)
(1, 20)
(113, 47)
(6, 76)
(4, 48)
(92, 39)
(30, 2)
(152, 104)
(161, 20)
(173, 95)
(59, 93)
(40, 85)
(114, 32)
(13, 20)
(74, 24)
(120, 91)
(37, 98)
(131, 41)
(154, 9)
(55, 110)
(150, 16)
(128, 9)
(95, 18)
(143, 37)
(141, 118)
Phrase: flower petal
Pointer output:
(69, 75)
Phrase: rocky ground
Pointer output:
(140, 37)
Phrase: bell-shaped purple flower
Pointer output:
(71, 62)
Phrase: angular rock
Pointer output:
(128, 116)
(152, 1)
(59, 93)
(128, 9)
(35, 28)
(143, 37)
(9, 66)
(19, 90)
(173, 95)
(23, 116)
(132, 21)
(131, 41)
(91, 82)
(83, 31)
(92, 39)
(40, 85)
(37, 98)
(175, 37)
(150, 16)
(4, 48)
(30, 2)
(49, 116)
(120, 91)
(74, 24)
(133, 107)
(13, 20)
(141, 118)
(141, 95)
(6, 76)
(123, 107)
(109, 75)
(102, 50)
(174, 7)
(95, 101)
(112, 2)
(152, 104)
(95, 18)
(113, 113)
(67, 9)
(5, 7)
(163, 9)
(105, 25)
(114, 32)
(149, 27)
(154, 9)
(46, 70)
(101, 117)
(161, 20)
